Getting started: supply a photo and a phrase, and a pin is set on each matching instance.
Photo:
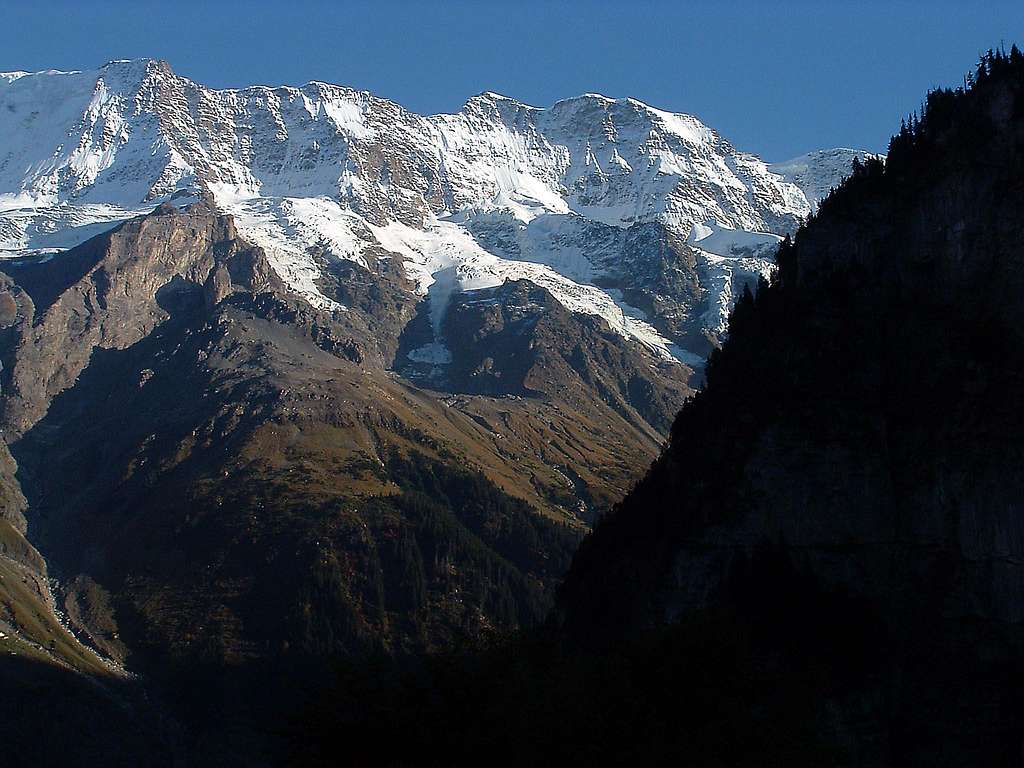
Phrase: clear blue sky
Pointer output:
(778, 78)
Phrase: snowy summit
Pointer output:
(583, 198)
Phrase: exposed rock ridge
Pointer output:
(118, 288)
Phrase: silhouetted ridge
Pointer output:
(865, 419)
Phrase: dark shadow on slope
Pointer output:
(416, 333)
(148, 393)
(49, 716)
(45, 278)
(748, 683)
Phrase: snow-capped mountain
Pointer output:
(818, 173)
(647, 218)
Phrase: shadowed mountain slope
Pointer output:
(860, 434)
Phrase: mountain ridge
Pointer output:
(322, 164)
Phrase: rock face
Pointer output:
(860, 437)
(518, 340)
(111, 294)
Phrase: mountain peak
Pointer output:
(143, 61)
(303, 166)
(819, 171)
(131, 73)
(495, 99)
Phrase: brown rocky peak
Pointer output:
(112, 291)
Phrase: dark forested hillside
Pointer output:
(862, 434)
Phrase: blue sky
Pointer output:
(776, 78)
